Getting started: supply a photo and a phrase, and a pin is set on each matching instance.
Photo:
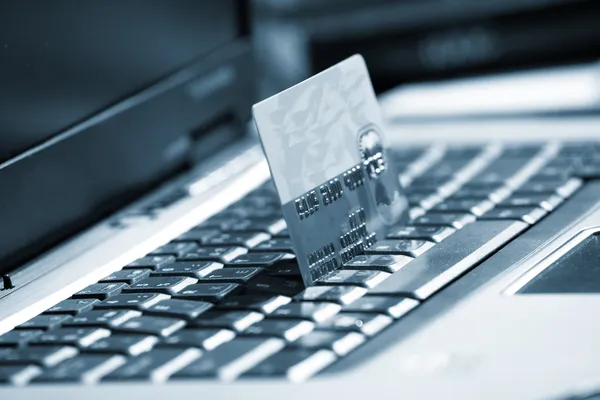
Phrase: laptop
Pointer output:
(144, 253)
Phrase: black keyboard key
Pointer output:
(177, 308)
(161, 284)
(297, 365)
(475, 207)
(193, 269)
(522, 150)
(151, 262)
(335, 294)
(278, 244)
(199, 235)
(127, 276)
(46, 356)
(44, 321)
(232, 359)
(101, 318)
(265, 304)
(367, 324)
(245, 239)
(345, 277)
(233, 320)
(85, 368)
(495, 194)
(267, 284)
(157, 326)
(18, 375)
(126, 344)
(500, 171)
(392, 306)
(132, 301)
(312, 311)
(289, 270)
(72, 306)
(208, 339)
(232, 275)
(78, 337)
(18, 338)
(269, 225)
(449, 259)
(282, 234)
(177, 249)
(211, 292)
(564, 188)
(341, 343)
(157, 365)
(259, 259)
(100, 291)
(456, 221)
(530, 215)
(546, 201)
(219, 254)
(432, 233)
(412, 248)
(381, 262)
(288, 329)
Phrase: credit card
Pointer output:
(326, 148)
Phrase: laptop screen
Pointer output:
(64, 63)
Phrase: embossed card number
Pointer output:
(327, 155)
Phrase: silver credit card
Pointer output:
(324, 141)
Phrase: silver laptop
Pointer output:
(144, 254)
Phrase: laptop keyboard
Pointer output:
(226, 301)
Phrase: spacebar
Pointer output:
(444, 262)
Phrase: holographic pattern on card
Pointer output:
(326, 149)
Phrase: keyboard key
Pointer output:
(367, 324)
(494, 194)
(44, 321)
(269, 225)
(259, 259)
(456, 221)
(128, 276)
(46, 356)
(364, 278)
(449, 259)
(432, 233)
(132, 301)
(161, 284)
(232, 359)
(267, 284)
(296, 364)
(100, 291)
(157, 365)
(177, 249)
(341, 343)
(530, 215)
(158, 326)
(211, 292)
(245, 239)
(232, 275)
(263, 304)
(128, 344)
(199, 235)
(278, 244)
(316, 312)
(475, 207)
(546, 201)
(288, 329)
(151, 262)
(88, 368)
(208, 339)
(564, 188)
(72, 307)
(101, 318)
(18, 375)
(193, 269)
(17, 338)
(394, 307)
(177, 308)
(78, 337)
(381, 262)
(219, 254)
(286, 270)
(336, 294)
(411, 248)
(233, 320)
